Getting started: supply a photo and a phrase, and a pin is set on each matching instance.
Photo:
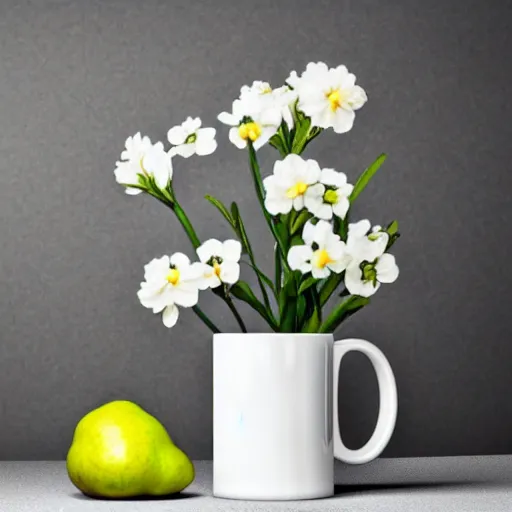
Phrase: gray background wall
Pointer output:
(77, 77)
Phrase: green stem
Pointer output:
(258, 273)
(194, 239)
(235, 312)
(258, 183)
(278, 269)
(187, 225)
(197, 310)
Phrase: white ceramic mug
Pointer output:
(274, 436)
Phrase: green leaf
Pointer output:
(313, 323)
(260, 192)
(392, 228)
(302, 304)
(301, 135)
(342, 311)
(281, 227)
(289, 289)
(288, 303)
(327, 289)
(296, 240)
(394, 235)
(366, 176)
(305, 285)
(246, 246)
(278, 268)
(242, 291)
(300, 221)
(263, 277)
(277, 142)
(222, 209)
(286, 135)
(238, 226)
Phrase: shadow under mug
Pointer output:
(275, 414)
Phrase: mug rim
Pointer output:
(273, 334)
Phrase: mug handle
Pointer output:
(388, 402)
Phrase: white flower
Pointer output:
(369, 265)
(323, 253)
(189, 138)
(169, 283)
(220, 262)
(292, 177)
(141, 158)
(274, 104)
(328, 96)
(364, 243)
(250, 121)
(330, 196)
(364, 279)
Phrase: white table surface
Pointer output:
(448, 484)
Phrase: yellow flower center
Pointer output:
(297, 190)
(173, 276)
(335, 99)
(266, 90)
(216, 268)
(321, 258)
(249, 130)
(331, 197)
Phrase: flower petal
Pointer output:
(276, 206)
(234, 137)
(319, 272)
(355, 285)
(376, 248)
(298, 203)
(333, 178)
(205, 142)
(357, 97)
(208, 278)
(158, 163)
(178, 259)
(308, 233)
(324, 233)
(358, 229)
(229, 119)
(387, 269)
(299, 258)
(343, 120)
(132, 191)
(194, 273)
(267, 133)
(185, 294)
(323, 211)
(232, 250)
(126, 173)
(341, 207)
(312, 172)
(229, 272)
(185, 150)
(156, 268)
(191, 125)
(211, 247)
(177, 135)
(170, 315)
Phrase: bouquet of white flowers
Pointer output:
(317, 251)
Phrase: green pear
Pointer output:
(120, 451)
